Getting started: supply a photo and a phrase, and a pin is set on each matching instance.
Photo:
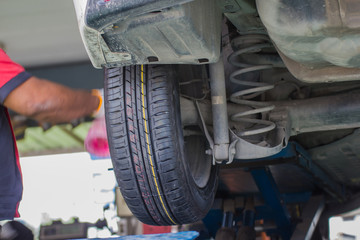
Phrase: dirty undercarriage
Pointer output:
(254, 77)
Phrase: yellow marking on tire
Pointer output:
(148, 145)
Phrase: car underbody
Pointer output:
(256, 80)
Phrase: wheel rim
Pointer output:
(199, 163)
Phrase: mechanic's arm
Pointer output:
(46, 101)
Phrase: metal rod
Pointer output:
(318, 114)
(219, 110)
(308, 115)
(310, 218)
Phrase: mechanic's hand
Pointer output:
(100, 111)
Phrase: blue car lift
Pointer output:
(190, 235)
(275, 208)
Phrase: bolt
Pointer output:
(208, 152)
(229, 7)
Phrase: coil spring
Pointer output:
(259, 126)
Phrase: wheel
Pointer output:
(164, 179)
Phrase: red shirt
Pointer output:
(12, 75)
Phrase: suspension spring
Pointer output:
(254, 44)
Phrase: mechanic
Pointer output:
(42, 100)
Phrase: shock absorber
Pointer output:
(252, 139)
(254, 44)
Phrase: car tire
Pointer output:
(165, 179)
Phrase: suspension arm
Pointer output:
(190, 117)
(340, 111)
